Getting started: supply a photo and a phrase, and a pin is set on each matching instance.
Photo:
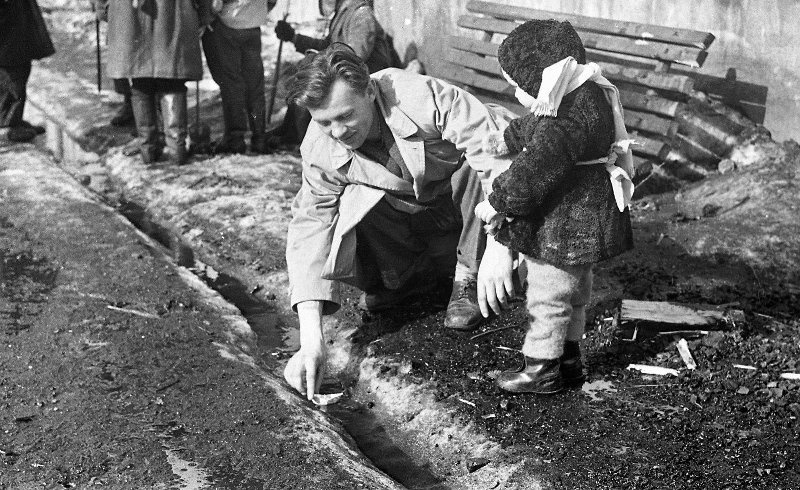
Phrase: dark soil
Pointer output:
(716, 427)
(93, 394)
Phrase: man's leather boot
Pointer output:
(124, 116)
(539, 376)
(258, 132)
(144, 110)
(176, 125)
(572, 364)
(463, 312)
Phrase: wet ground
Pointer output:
(120, 369)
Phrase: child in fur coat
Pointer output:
(563, 202)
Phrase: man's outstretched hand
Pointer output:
(306, 369)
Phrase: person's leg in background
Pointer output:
(124, 116)
(13, 94)
(223, 50)
(174, 114)
(143, 102)
(253, 74)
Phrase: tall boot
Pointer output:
(124, 116)
(174, 114)
(144, 111)
(258, 135)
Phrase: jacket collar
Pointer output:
(399, 123)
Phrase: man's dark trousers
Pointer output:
(13, 82)
(234, 60)
(397, 250)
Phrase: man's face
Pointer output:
(347, 114)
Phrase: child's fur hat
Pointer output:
(535, 45)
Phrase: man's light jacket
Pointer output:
(436, 126)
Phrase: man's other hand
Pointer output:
(495, 282)
(284, 31)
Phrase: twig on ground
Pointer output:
(467, 402)
(488, 332)
(133, 312)
(166, 385)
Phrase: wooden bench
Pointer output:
(654, 67)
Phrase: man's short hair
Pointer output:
(312, 83)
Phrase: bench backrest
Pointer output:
(653, 66)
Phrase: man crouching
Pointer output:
(387, 201)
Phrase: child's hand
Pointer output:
(486, 213)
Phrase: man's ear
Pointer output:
(371, 91)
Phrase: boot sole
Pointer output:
(533, 392)
(465, 328)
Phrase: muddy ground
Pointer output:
(731, 241)
(120, 369)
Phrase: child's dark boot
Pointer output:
(572, 364)
(538, 376)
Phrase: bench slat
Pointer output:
(649, 147)
(637, 76)
(474, 79)
(648, 78)
(649, 103)
(642, 121)
(684, 55)
(688, 37)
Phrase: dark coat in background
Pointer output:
(563, 213)
(354, 24)
(158, 39)
(23, 34)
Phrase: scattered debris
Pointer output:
(489, 416)
(657, 370)
(743, 366)
(404, 367)
(467, 402)
(686, 355)
(133, 312)
(794, 376)
(743, 390)
(167, 384)
(596, 387)
(502, 347)
(489, 332)
(666, 313)
(474, 464)
(321, 400)
(684, 332)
